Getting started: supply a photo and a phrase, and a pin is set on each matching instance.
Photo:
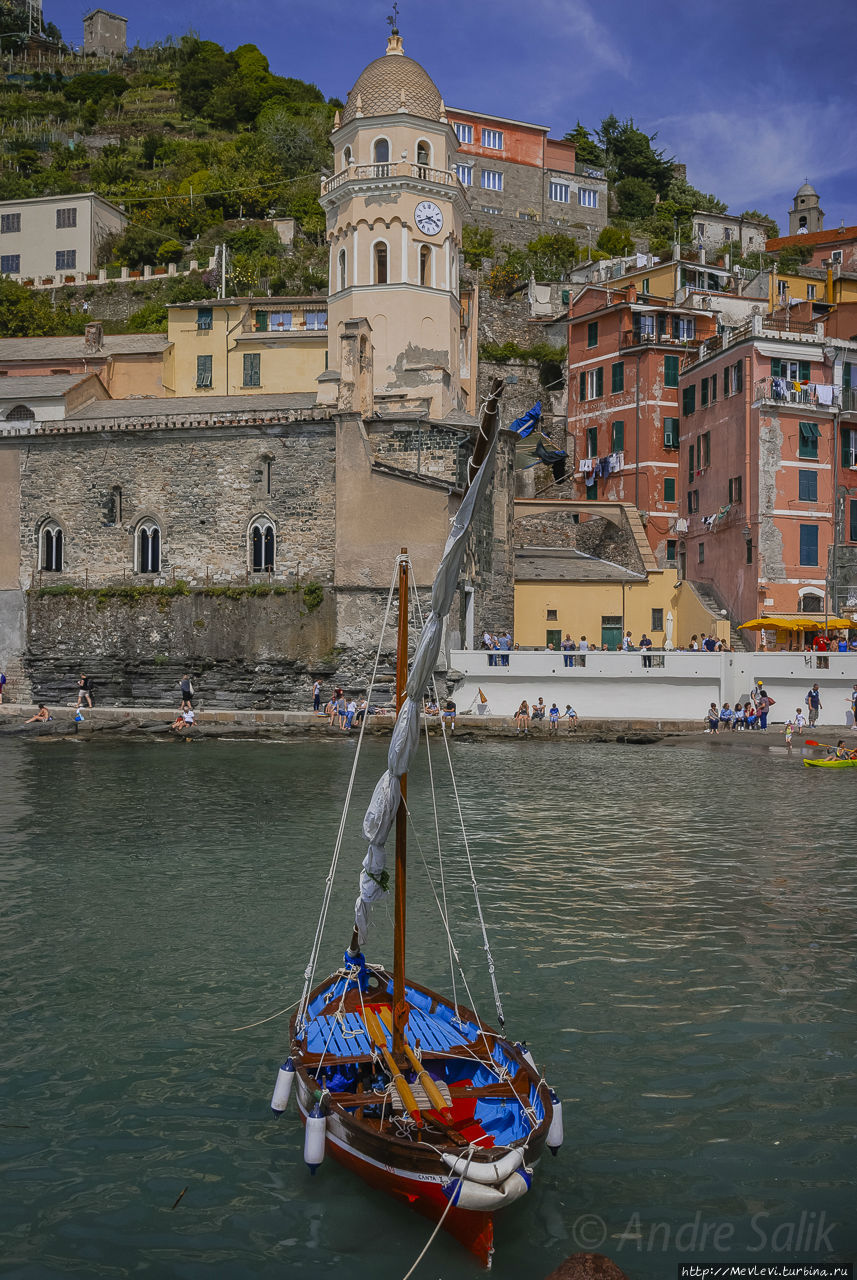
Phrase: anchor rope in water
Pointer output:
(472, 1149)
(309, 972)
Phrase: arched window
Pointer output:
(20, 413)
(811, 603)
(381, 156)
(341, 275)
(262, 542)
(423, 158)
(51, 548)
(380, 259)
(148, 547)
(425, 264)
(346, 157)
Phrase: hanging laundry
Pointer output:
(590, 478)
(603, 468)
(555, 458)
(681, 525)
(587, 464)
(796, 387)
(824, 393)
(779, 387)
(708, 521)
(524, 425)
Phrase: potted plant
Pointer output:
(135, 275)
(92, 275)
(160, 271)
(29, 282)
(69, 279)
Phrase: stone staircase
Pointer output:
(707, 596)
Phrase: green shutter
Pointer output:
(592, 491)
(262, 321)
(669, 489)
(846, 376)
(582, 387)
(803, 371)
(776, 367)
(599, 381)
(670, 371)
(845, 440)
(618, 377)
(618, 437)
(690, 464)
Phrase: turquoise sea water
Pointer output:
(674, 934)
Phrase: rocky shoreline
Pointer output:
(279, 726)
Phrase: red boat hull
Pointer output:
(474, 1230)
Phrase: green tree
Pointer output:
(636, 198)
(773, 229)
(792, 258)
(170, 251)
(90, 87)
(615, 242)
(206, 66)
(476, 243)
(139, 245)
(150, 318)
(552, 256)
(630, 154)
(25, 314)
(586, 151)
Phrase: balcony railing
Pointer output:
(784, 391)
(636, 338)
(393, 169)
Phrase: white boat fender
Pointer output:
(316, 1128)
(477, 1197)
(283, 1087)
(521, 1045)
(490, 1174)
(555, 1134)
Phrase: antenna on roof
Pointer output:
(393, 19)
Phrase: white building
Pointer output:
(55, 238)
(713, 231)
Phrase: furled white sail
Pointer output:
(387, 794)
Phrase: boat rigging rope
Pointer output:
(497, 1002)
(309, 972)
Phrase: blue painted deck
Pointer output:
(347, 1036)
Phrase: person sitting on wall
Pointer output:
(448, 716)
(41, 715)
(522, 719)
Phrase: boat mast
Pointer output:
(400, 1007)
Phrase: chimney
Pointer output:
(93, 336)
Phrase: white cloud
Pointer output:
(752, 153)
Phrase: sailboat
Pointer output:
(406, 1087)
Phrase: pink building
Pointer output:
(624, 356)
(768, 435)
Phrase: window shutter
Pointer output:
(739, 376)
(846, 376)
(618, 437)
(618, 377)
(803, 371)
(599, 382)
(583, 386)
(852, 520)
(776, 369)
(262, 321)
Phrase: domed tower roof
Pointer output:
(391, 84)
(806, 190)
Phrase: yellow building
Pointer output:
(811, 285)
(560, 591)
(245, 346)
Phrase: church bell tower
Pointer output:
(394, 209)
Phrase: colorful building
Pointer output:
(513, 170)
(768, 437)
(128, 364)
(55, 238)
(624, 355)
(245, 346)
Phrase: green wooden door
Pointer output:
(611, 632)
(554, 638)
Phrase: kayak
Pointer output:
(832, 764)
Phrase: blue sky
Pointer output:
(754, 96)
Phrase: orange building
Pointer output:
(624, 356)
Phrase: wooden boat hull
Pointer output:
(422, 1192)
(501, 1108)
(831, 764)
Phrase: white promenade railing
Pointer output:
(654, 686)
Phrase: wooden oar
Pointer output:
(401, 1085)
(433, 1094)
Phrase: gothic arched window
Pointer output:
(341, 276)
(425, 264)
(51, 553)
(148, 547)
(262, 540)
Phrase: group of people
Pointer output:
(752, 714)
(537, 712)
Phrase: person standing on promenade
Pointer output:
(187, 693)
(341, 709)
(813, 702)
(584, 645)
(645, 646)
(567, 644)
(694, 643)
(764, 705)
(798, 721)
(84, 690)
(316, 696)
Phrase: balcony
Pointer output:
(636, 338)
(295, 320)
(394, 169)
(783, 392)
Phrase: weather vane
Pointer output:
(393, 19)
